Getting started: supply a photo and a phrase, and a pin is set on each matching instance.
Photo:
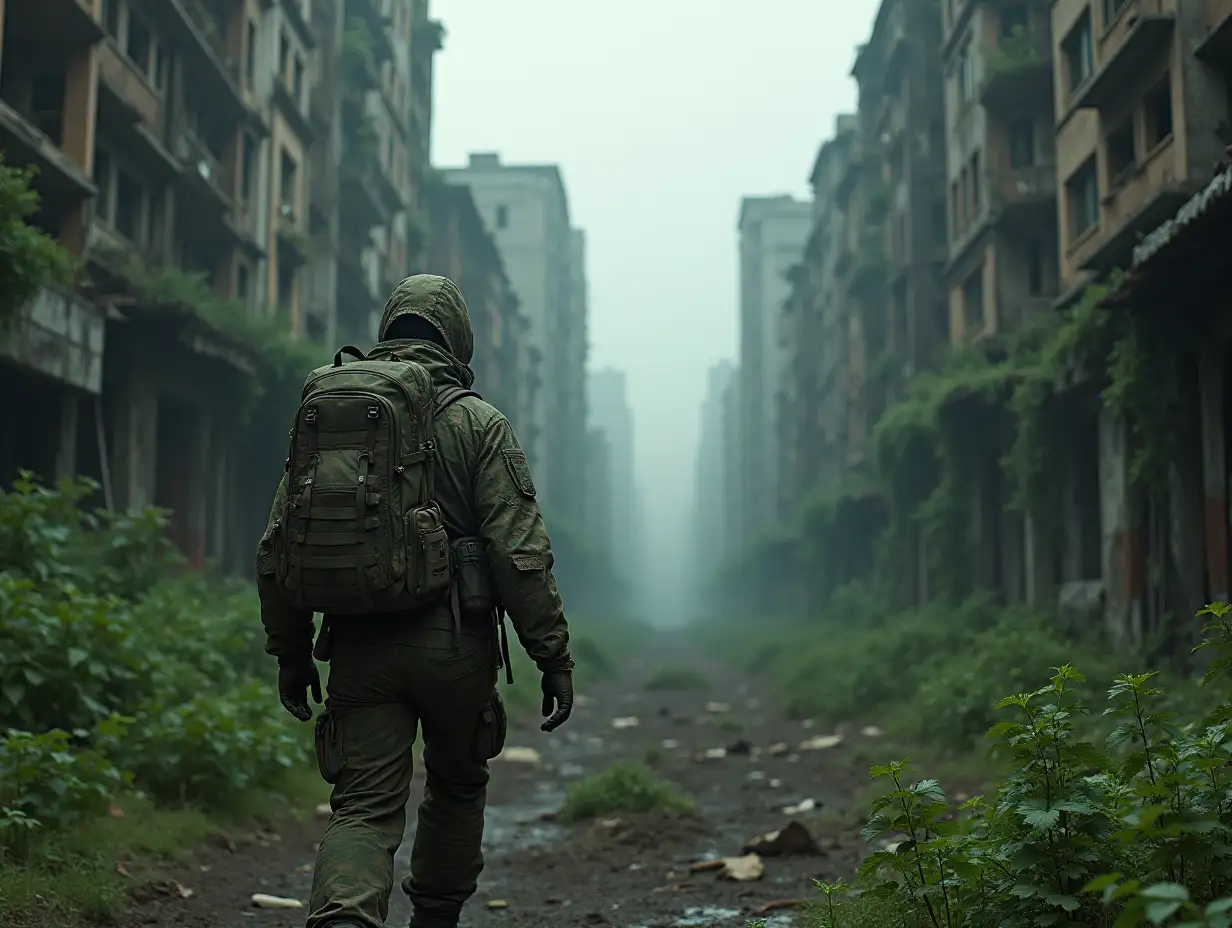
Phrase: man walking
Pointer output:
(408, 517)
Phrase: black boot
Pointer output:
(423, 920)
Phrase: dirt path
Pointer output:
(630, 872)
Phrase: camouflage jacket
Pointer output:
(483, 486)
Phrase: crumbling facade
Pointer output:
(211, 160)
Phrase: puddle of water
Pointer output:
(571, 771)
(699, 916)
(517, 826)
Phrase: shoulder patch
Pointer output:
(527, 562)
(519, 471)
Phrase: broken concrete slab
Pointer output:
(792, 838)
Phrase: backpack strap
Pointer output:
(352, 351)
(447, 396)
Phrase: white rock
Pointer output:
(805, 805)
(627, 721)
(263, 901)
(821, 743)
(519, 755)
(717, 708)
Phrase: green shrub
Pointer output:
(117, 666)
(1135, 831)
(627, 787)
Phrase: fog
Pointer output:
(662, 115)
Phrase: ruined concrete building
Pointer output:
(772, 231)
(526, 210)
(275, 149)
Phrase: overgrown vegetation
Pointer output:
(1006, 410)
(1133, 831)
(31, 258)
(123, 680)
(626, 787)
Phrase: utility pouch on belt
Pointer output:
(476, 592)
(491, 729)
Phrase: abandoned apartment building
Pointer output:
(1071, 135)
(276, 149)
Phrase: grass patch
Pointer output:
(626, 786)
(84, 874)
(677, 678)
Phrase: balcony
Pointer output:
(293, 246)
(202, 170)
(55, 26)
(1018, 72)
(211, 66)
(1027, 194)
(61, 336)
(1149, 196)
(1140, 33)
(1217, 46)
(124, 93)
(23, 143)
(359, 69)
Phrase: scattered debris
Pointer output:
(627, 721)
(778, 749)
(755, 776)
(304, 868)
(744, 869)
(806, 723)
(792, 838)
(519, 755)
(221, 840)
(804, 805)
(792, 758)
(871, 731)
(821, 743)
(263, 901)
(498, 904)
(669, 744)
(581, 699)
(740, 748)
(324, 810)
(717, 708)
(714, 754)
(121, 869)
(664, 712)
(609, 823)
(115, 810)
(182, 891)
(775, 783)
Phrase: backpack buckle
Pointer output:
(374, 412)
(310, 417)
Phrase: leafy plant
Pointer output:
(30, 259)
(624, 787)
(1133, 832)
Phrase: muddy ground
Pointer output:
(629, 872)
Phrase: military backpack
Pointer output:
(361, 531)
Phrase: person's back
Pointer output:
(436, 668)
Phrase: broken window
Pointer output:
(1035, 267)
(1158, 112)
(1013, 20)
(140, 45)
(977, 183)
(1077, 50)
(973, 302)
(1082, 194)
(243, 281)
(129, 207)
(1122, 152)
(1022, 142)
(248, 158)
(287, 182)
(250, 57)
(47, 105)
(104, 203)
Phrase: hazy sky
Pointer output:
(662, 114)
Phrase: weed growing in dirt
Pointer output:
(627, 787)
(677, 678)
(1135, 831)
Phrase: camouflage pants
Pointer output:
(384, 684)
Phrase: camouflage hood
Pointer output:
(438, 300)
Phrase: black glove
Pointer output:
(295, 679)
(557, 686)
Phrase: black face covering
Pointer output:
(416, 328)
